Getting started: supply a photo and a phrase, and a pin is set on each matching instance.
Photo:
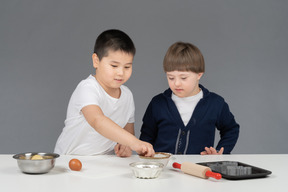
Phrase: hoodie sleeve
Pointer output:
(149, 128)
(229, 130)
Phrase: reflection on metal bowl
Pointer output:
(146, 170)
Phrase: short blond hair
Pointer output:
(183, 56)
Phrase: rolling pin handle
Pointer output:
(176, 165)
(213, 174)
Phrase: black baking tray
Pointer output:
(255, 173)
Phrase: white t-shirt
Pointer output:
(78, 137)
(186, 105)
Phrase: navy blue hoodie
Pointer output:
(165, 130)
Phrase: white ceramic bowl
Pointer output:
(159, 157)
(146, 170)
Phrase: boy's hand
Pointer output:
(212, 151)
(122, 150)
(144, 148)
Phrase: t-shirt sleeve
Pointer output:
(86, 94)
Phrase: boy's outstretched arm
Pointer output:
(122, 150)
(109, 129)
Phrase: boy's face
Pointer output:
(113, 70)
(184, 83)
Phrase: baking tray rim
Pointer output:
(264, 172)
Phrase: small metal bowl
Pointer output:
(146, 170)
(159, 157)
(36, 163)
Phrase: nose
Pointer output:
(177, 82)
(120, 71)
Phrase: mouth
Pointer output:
(118, 80)
(178, 90)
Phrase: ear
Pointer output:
(95, 60)
(200, 75)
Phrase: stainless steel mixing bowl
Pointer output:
(42, 163)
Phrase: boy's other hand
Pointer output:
(144, 148)
(122, 150)
(212, 151)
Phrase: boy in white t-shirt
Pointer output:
(101, 109)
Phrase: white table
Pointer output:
(111, 173)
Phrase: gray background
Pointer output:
(46, 48)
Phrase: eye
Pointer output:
(170, 78)
(127, 67)
(114, 66)
(183, 78)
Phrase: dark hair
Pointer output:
(114, 40)
(184, 57)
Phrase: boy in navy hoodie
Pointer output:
(183, 119)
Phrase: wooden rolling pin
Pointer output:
(197, 170)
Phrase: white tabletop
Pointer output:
(111, 173)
